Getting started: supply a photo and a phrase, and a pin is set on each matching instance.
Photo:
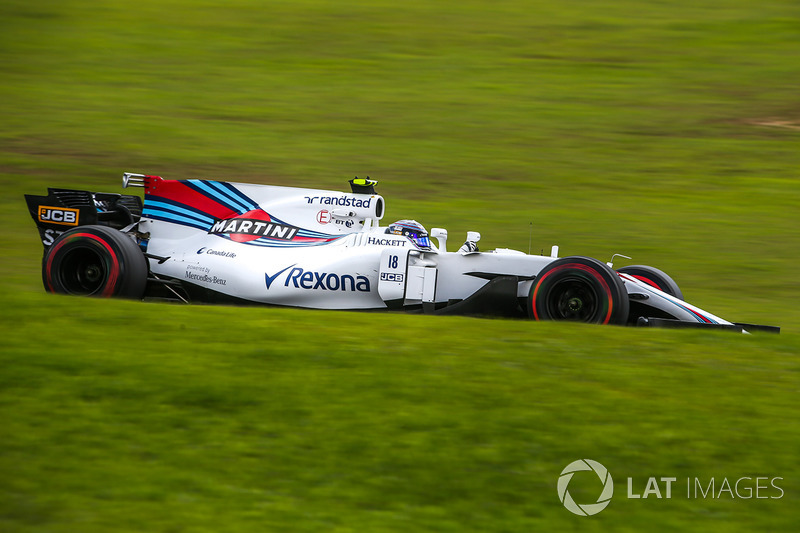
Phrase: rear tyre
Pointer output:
(579, 289)
(653, 277)
(95, 261)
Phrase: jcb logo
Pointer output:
(58, 215)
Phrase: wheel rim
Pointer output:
(572, 299)
(82, 271)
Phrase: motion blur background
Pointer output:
(667, 131)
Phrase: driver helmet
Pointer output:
(413, 230)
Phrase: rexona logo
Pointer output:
(58, 215)
(320, 281)
(587, 509)
(251, 226)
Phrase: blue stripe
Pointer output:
(279, 221)
(697, 316)
(237, 198)
(169, 217)
(239, 194)
(173, 217)
(203, 188)
(316, 234)
(279, 244)
(172, 208)
(267, 243)
(155, 198)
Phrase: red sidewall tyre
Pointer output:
(579, 289)
(95, 261)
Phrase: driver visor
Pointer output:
(420, 239)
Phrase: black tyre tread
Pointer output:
(619, 303)
(133, 268)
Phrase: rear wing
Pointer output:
(63, 209)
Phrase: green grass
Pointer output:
(223, 419)
(666, 131)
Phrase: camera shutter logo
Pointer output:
(588, 509)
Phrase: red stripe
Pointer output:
(112, 278)
(701, 317)
(648, 281)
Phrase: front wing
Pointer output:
(651, 307)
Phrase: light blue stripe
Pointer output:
(175, 219)
(285, 244)
(316, 234)
(695, 314)
(226, 200)
(242, 196)
(233, 194)
(180, 210)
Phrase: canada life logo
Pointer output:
(585, 509)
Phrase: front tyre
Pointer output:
(579, 289)
(95, 261)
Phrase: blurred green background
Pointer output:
(667, 131)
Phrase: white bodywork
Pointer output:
(322, 249)
(355, 265)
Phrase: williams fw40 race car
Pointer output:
(214, 241)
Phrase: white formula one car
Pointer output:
(212, 241)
